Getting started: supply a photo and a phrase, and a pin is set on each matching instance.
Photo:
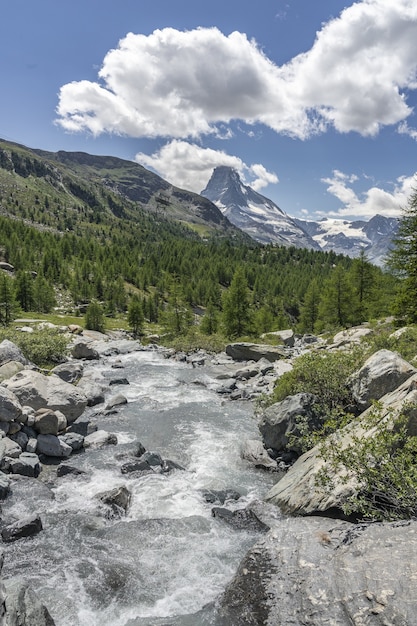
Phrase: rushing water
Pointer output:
(168, 560)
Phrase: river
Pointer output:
(167, 561)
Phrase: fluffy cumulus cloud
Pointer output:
(190, 166)
(184, 84)
(374, 200)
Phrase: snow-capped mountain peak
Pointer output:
(253, 213)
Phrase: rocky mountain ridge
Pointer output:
(265, 222)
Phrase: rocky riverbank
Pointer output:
(304, 570)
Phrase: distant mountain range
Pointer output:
(95, 189)
(265, 222)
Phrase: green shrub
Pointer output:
(44, 347)
(323, 374)
(384, 466)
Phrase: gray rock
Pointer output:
(118, 400)
(10, 407)
(118, 381)
(383, 372)
(99, 439)
(83, 426)
(25, 527)
(20, 438)
(351, 335)
(32, 444)
(26, 465)
(74, 440)
(220, 496)
(135, 466)
(67, 470)
(242, 519)
(253, 451)
(50, 445)
(280, 420)
(49, 422)
(118, 499)
(287, 336)
(319, 572)
(7, 370)
(254, 352)
(10, 352)
(82, 350)
(23, 607)
(93, 391)
(70, 372)
(9, 448)
(38, 391)
(152, 458)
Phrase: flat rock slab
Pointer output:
(318, 572)
(254, 352)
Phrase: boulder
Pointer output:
(254, 352)
(298, 492)
(74, 440)
(82, 350)
(93, 391)
(23, 606)
(70, 372)
(20, 438)
(10, 352)
(26, 465)
(38, 391)
(99, 439)
(118, 381)
(280, 420)
(49, 422)
(25, 527)
(7, 370)
(320, 572)
(253, 451)
(118, 499)
(383, 372)
(242, 519)
(83, 426)
(9, 448)
(135, 466)
(66, 470)
(351, 335)
(117, 400)
(50, 445)
(10, 407)
(287, 337)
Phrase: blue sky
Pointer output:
(312, 102)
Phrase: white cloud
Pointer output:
(190, 166)
(404, 129)
(183, 84)
(374, 200)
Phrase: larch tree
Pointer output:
(403, 260)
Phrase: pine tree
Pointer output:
(24, 290)
(210, 322)
(339, 304)
(8, 304)
(236, 312)
(135, 316)
(310, 308)
(403, 260)
(94, 316)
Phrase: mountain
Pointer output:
(253, 213)
(344, 237)
(103, 186)
(265, 222)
